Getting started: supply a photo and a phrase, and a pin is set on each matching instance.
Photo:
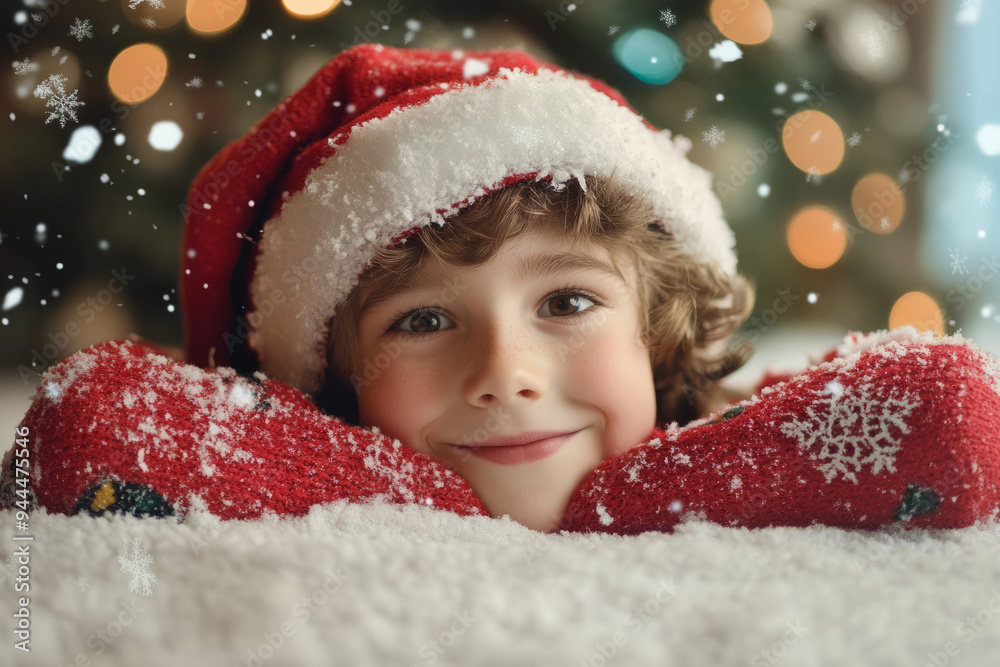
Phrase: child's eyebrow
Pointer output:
(537, 265)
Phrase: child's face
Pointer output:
(500, 358)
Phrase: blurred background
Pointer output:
(855, 146)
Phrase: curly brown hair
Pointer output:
(689, 309)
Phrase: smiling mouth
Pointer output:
(517, 454)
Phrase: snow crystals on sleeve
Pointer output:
(605, 518)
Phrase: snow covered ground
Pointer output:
(382, 585)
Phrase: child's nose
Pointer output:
(503, 367)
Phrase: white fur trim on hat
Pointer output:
(397, 172)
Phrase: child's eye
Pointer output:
(423, 321)
(567, 303)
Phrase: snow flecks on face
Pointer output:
(676, 506)
(605, 518)
(736, 483)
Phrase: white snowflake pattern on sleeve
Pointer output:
(853, 427)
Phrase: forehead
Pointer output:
(536, 254)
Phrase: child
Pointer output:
(579, 278)
(577, 288)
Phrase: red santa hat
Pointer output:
(378, 144)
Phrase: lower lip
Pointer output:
(516, 454)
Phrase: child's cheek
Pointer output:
(613, 375)
(400, 400)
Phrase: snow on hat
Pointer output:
(378, 144)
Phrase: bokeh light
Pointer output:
(212, 16)
(918, 310)
(743, 21)
(864, 39)
(165, 135)
(813, 142)
(137, 73)
(83, 144)
(878, 203)
(816, 237)
(649, 55)
(309, 8)
(153, 16)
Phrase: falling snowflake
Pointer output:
(668, 18)
(218, 83)
(154, 4)
(62, 61)
(854, 140)
(853, 427)
(148, 21)
(814, 175)
(62, 104)
(23, 67)
(195, 82)
(805, 84)
(81, 29)
(200, 115)
(815, 136)
(984, 192)
(714, 136)
(957, 263)
(37, 17)
(873, 44)
(613, 30)
(135, 562)
(884, 223)
(835, 225)
(689, 114)
(55, 50)
(811, 24)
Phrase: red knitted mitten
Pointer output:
(903, 428)
(120, 427)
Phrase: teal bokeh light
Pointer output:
(649, 55)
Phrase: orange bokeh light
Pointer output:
(211, 16)
(878, 203)
(137, 73)
(309, 9)
(743, 21)
(918, 310)
(813, 142)
(816, 237)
